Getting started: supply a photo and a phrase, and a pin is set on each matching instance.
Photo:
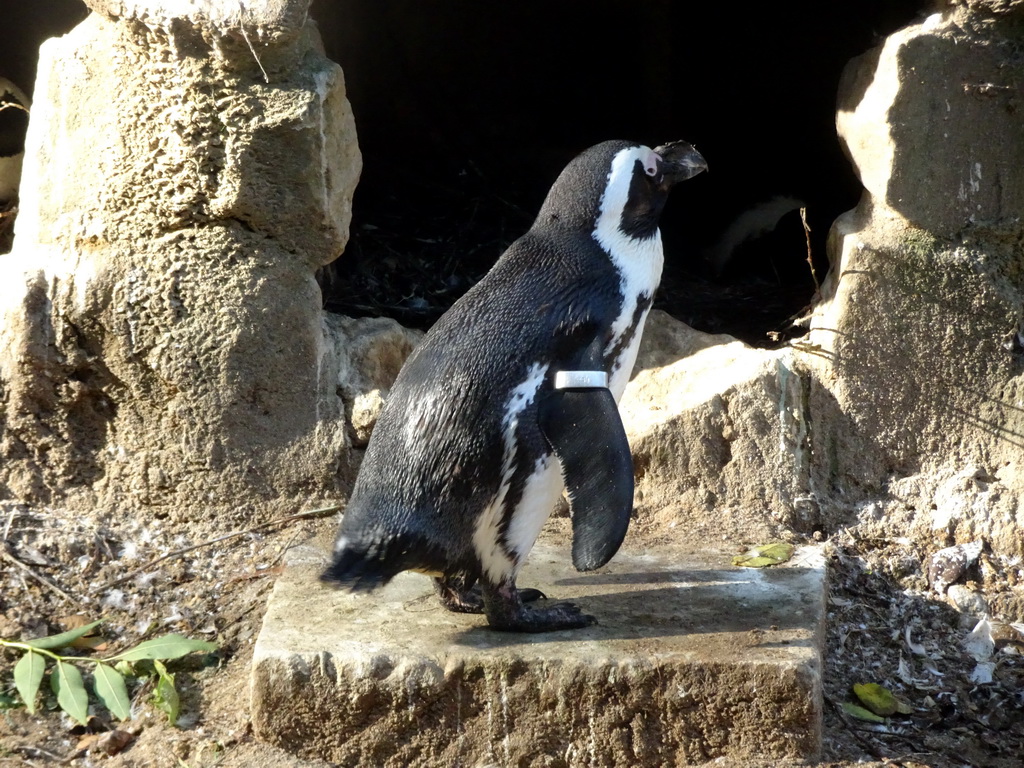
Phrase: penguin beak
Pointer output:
(680, 161)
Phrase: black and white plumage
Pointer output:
(14, 105)
(475, 445)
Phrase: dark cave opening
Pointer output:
(467, 111)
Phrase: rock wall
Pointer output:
(904, 408)
(162, 346)
(719, 436)
(918, 390)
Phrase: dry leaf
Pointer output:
(109, 743)
(87, 742)
(89, 641)
(114, 741)
(982, 674)
(915, 648)
(980, 643)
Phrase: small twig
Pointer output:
(41, 579)
(12, 104)
(807, 235)
(241, 26)
(31, 752)
(308, 515)
(284, 550)
(811, 349)
(10, 520)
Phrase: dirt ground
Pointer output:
(885, 625)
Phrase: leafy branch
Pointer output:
(108, 674)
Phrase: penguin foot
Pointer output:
(458, 598)
(506, 612)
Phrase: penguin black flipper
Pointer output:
(585, 432)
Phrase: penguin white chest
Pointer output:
(639, 269)
(638, 262)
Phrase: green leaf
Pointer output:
(165, 695)
(125, 668)
(751, 561)
(768, 554)
(861, 714)
(64, 638)
(112, 691)
(166, 647)
(66, 682)
(28, 674)
(876, 698)
(880, 700)
(10, 701)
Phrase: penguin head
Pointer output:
(620, 184)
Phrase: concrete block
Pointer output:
(693, 659)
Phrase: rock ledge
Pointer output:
(693, 659)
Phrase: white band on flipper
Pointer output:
(581, 380)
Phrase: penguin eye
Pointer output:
(652, 164)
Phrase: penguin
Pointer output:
(755, 222)
(512, 397)
(14, 106)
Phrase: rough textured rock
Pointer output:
(981, 10)
(919, 364)
(667, 340)
(718, 432)
(906, 400)
(162, 345)
(692, 660)
(262, 17)
(370, 352)
(919, 117)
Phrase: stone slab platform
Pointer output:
(693, 659)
